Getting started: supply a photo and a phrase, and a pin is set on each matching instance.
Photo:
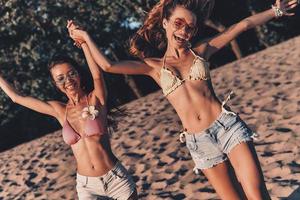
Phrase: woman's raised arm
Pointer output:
(214, 44)
(44, 107)
(122, 67)
(96, 71)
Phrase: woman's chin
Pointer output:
(179, 46)
(71, 91)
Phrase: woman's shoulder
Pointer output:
(59, 107)
(202, 49)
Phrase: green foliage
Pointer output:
(32, 31)
(276, 30)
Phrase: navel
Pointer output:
(199, 117)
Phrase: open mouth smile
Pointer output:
(180, 39)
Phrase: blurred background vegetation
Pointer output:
(32, 31)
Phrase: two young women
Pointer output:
(215, 135)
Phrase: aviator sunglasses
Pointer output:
(61, 79)
(181, 23)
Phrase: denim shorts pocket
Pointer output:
(81, 183)
(244, 130)
(119, 175)
(229, 121)
(206, 147)
(120, 172)
(199, 153)
(191, 145)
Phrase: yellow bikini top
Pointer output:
(170, 81)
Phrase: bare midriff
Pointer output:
(94, 156)
(196, 105)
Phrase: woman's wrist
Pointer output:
(86, 36)
(82, 44)
(277, 12)
(79, 43)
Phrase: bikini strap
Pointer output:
(193, 52)
(87, 100)
(197, 56)
(164, 61)
(66, 112)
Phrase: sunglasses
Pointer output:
(61, 79)
(181, 23)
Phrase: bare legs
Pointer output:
(246, 166)
(220, 179)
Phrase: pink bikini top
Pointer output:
(92, 126)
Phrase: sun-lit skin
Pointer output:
(98, 154)
(187, 98)
(93, 154)
(67, 80)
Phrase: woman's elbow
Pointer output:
(15, 98)
(107, 67)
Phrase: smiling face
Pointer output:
(66, 78)
(180, 27)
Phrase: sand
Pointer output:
(267, 88)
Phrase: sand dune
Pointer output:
(267, 88)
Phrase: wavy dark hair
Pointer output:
(150, 40)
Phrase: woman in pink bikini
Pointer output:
(214, 135)
(84, 120)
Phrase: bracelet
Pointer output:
(278, 12)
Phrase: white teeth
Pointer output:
(180, 39)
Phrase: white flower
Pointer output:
(89, 112)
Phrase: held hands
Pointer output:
(76, 33)
(282, 7)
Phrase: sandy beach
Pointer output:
(267, 97)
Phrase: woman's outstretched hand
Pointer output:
(286, 5)
(76, 33)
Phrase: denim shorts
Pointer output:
(115, 184)
(211, 146)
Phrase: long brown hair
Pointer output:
(150, 40)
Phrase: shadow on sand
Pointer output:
(294, 196)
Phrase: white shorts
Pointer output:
(115, 184)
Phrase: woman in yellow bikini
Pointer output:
(214, 134)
